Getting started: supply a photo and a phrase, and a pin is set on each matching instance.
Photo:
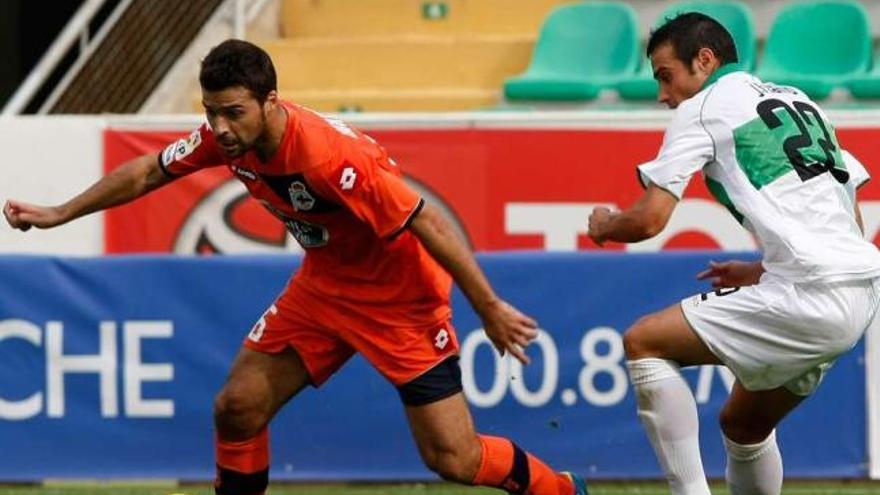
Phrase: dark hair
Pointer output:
(238, 63)
(692, 31)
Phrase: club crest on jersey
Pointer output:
(300, 197)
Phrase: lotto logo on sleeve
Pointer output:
(349, 176)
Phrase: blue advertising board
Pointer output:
(108, 368)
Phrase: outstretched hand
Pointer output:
(509, 329)
(23, 216)
(732, 273)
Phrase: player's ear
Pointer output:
(271, 100)
(705, 60)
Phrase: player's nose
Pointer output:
(220, 127)
(663, 97)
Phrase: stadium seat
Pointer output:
(382, 74)
(736, 17)
(403, 55)
(581, 49)
(817, 46)
(867, 86)
(380, 18)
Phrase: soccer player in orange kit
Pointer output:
(375, 279)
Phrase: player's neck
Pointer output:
(276, 125)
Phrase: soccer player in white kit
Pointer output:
(770, 155)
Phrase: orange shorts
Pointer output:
(326, 335)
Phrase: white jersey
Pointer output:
(771, 156)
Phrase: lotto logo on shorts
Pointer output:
(349, 176)
(256, 333)
(441, 340)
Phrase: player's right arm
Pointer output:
(129, 181)
(643, 220)
(687, 147)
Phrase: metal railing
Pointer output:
(84, 55)
(243, 12)
(76, 31)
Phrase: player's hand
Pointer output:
(509, 330)
(732, 273)
(598, 218)
(23, 216)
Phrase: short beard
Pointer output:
(262, 137)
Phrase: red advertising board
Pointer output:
(505, 188)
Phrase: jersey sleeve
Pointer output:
(374, 194)
(687, 147)
(858, 175)
(186, 155)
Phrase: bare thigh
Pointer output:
(748, 417)
(257, 386)
(444, 433)
(666, 334)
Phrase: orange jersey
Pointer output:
(346, 203)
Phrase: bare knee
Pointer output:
(636, 342)
(744, 430)
(458, 463)
(237, 414)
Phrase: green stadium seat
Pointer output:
(817, 46)
(642, 86)
(867, 86)
(582, 48)
(736, 17)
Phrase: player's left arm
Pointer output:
(643, 220)
(509, 329)
(858, 177)
(858, 213)
(380, 198)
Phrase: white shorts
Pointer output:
(783, 334)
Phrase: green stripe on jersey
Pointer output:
(759, 151)
(762, 155)
(721, 196)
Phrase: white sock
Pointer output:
(754, 469)
(669, 413)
